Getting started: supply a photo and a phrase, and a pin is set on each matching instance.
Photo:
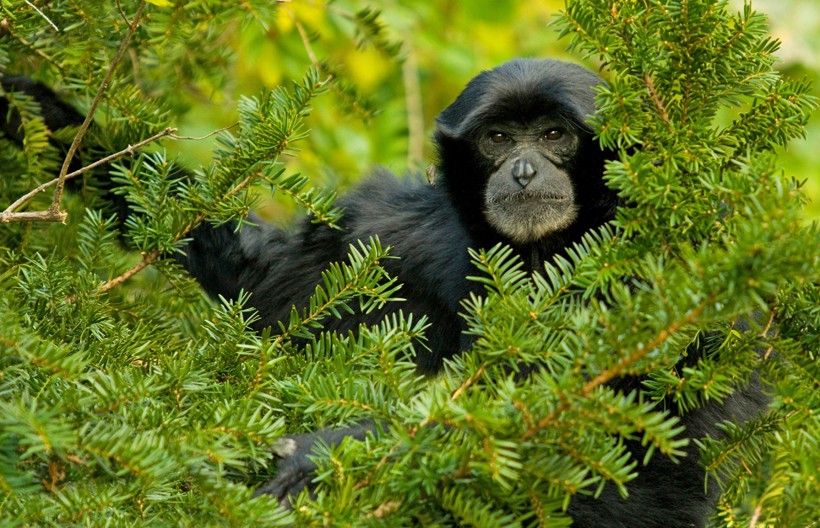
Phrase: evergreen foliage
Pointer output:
(127, 398)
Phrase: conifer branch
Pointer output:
(641, 352)
(619, 369)
(34, 49)
(149, 259)
(653, 94)
(241, 161)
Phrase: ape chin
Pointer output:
(517, 164)
(526, 216)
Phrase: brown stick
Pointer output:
(9, 215)
(58, 192)
(141, 265)
(34, 216)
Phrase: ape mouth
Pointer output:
(528, 196)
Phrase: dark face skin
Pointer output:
(530, 193)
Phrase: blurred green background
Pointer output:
(382, 111)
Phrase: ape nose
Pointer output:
(523, 171)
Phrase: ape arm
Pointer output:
(55, 113)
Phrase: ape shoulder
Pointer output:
(421, 225)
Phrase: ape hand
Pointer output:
(295, 470)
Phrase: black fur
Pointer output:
(430, 229)
(282, 270)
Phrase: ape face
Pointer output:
(518, 158)
(529, 192)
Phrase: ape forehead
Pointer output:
(522, 90)
(525, 108)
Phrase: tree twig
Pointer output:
(43, 15)
(306, 42)
(9, 215)
(34, 216)
(206, 136)
(58, 192)
(464, 386)
(765, 333)
(415, 111)
(141, 265)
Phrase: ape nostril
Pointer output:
(523, 171)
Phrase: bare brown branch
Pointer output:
(306, 42)
(141, 265)
(10, 214)
(475, 377)
(34, 216)
(132, 28)
(206, 136)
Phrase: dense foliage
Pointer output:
(127, 397)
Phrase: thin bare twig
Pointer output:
(306, 41)
(42, 15)
(34, 216)
(415, 112)
(122, 12)
(765, 333)
(471, 380)
(141, 265)
(206, 136)
(9, 215)
(132, 28)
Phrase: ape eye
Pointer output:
(553, 133)
(498, 138)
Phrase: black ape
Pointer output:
(517, 164)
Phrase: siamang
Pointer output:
(517, 164)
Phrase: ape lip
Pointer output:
(525, 196)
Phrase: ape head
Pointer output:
(517, 156)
